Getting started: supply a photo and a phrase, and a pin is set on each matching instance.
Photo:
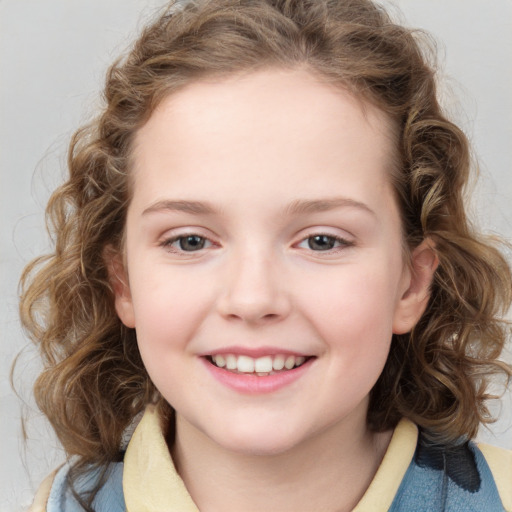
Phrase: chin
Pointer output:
(260, 448)
(265, 442)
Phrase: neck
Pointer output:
(329, 472)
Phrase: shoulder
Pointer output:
(41, 497)
(456, 478)
(500, 464)
(56, 495)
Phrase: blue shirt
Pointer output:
(436, 478)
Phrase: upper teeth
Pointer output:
(265, 364)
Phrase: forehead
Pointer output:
(280, 125)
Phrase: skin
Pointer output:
(251, 148)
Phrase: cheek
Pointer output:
(354, 315)
(366, 298)
(169, 309)
(169, 305)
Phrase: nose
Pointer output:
(254, 291)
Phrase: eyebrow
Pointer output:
(321, 205)
(194, 207)
(297, 207)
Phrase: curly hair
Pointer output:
(94, 382)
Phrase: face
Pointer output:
(264, 264)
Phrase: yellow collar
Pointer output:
(389, 476)
(151, 483)
(150, 480)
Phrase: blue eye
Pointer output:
(322, 242)
(187, 243)
(191, 243)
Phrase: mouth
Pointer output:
(260, 366)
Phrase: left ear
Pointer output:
(118, 278)
(414, 300)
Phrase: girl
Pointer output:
(263, 263)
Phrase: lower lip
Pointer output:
(251, 384)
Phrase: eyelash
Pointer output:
(168, 243)
(343, 243)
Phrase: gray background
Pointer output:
(53, 55)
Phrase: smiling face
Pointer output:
(264, 259)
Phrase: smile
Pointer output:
(258, 373)
(261, 366)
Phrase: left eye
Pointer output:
(188, 243)
(323, 242)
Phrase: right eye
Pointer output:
(186, 243)
(324, 243)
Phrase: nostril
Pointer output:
(258, 299)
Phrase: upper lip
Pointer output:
(254, 352)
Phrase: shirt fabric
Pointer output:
(414, 475)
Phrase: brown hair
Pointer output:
(94, 382)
